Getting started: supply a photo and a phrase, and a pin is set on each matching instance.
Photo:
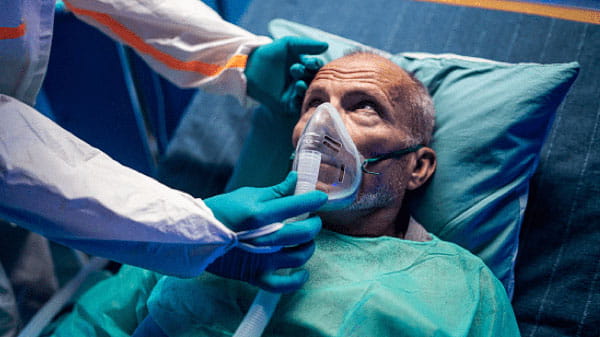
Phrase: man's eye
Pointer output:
(366, 107)
(315, 102)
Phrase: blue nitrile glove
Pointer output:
(261, 269)
(252, 207)
(306, 69)
(302, 74)
(249, 208)
(267, 71)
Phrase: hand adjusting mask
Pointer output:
(325, 144)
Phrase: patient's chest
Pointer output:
(358, 287)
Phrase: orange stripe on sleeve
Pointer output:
(554, 11)
(131, 39)
(7, 33)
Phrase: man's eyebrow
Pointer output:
(315, 90)
(378, 95)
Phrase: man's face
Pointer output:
(361, 88)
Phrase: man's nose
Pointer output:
(338, 106)
(342, 112)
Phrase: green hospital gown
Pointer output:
(358, 287)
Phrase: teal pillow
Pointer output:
(491, 121)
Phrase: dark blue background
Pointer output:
(85, 90)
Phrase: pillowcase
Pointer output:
(491, 121)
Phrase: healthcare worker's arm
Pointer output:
(191, 45)
(53, 183)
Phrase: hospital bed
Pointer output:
(557, 289)
(557, 283)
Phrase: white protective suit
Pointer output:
(54, 184)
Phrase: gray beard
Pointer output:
(380, 198)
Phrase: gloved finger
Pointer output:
(278, 203)
(283, 208)
(286, 187)
(307, 67)
(311, 62)
(277, 283)
(291, 257)
(293, 100)
(298, 99)
(297, 71)
(293, 233)
(302, 45)
(300, 89)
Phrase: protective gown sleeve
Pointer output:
(185, 40)
(54, 184)
(25, 38)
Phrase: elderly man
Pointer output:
(374, 272)
(384, 109)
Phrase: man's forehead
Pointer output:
(364, 68)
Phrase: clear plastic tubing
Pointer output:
(265, 302)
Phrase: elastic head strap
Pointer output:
(395, 154)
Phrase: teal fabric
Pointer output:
(113, 307)
(358, 287)
(491, 121)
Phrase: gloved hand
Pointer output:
(268, 67)
(249, 208)
(261, 269)
(302, 74)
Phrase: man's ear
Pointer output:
(425, 165)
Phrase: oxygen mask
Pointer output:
(327, 157)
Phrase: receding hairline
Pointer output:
(414, 95)
(372, 56)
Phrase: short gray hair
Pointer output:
(420, 110)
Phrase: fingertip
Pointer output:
(305, 45)
(302, 275)
(323, 44)
(287, 186)
(317, 223)
(297, 71)
(312, 63)
(315, 63)
(290, 178)
(310, 201)
(301, 88)
(318, 46)
(277, 283)
(292, 175)
(320, 196)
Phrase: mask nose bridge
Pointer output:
(345, 117)
(337, 104)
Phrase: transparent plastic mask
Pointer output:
(325, 144)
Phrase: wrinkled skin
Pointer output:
(362, 88)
